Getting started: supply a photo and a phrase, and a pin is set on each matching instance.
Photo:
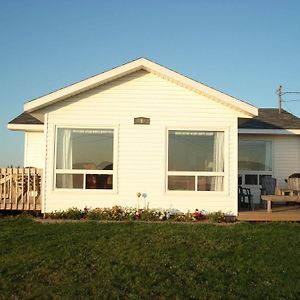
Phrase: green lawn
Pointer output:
(148, 261)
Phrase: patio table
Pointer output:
(279, 198)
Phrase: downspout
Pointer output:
(45, 164)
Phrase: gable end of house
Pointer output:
(242, 107)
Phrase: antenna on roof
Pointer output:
(279, 93)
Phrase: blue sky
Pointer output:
(243, 48)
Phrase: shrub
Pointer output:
(152, 215)
(97, 214)
(181, 217)
(69, 214)
(199, 215)
(217, 217)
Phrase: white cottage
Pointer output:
(141, 127)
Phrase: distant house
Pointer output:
(141, 127)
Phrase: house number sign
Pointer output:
(142, 121)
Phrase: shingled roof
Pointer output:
(270, 118)
(26, 118)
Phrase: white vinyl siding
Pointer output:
(286, 157)
(34, 154)
(142, 149)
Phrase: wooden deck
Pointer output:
(20, 189)
(280, 212)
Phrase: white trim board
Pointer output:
(26, 127)
(270, 131)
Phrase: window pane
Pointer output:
(210, 183)
(97, 181)
(84, 149)
(255, 155)
(181, 183)
(251, 179)
(196, 151)
(69, 181)
(263, 176)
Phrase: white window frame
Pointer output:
(84, 172)
(197, 173)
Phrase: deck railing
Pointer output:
(20, 188)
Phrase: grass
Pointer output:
(90, 260)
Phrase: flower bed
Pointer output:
(118, 213)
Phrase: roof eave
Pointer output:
(26, 127)
(269, 131)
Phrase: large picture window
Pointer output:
(195, 160)
(84, 158)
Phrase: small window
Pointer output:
(263, 176)
(251, 179)
(181, 183)
(69, 181)
(210, 183)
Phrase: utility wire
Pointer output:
(290, 93)
(294, 100)
(287, 108)
(280, 100)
